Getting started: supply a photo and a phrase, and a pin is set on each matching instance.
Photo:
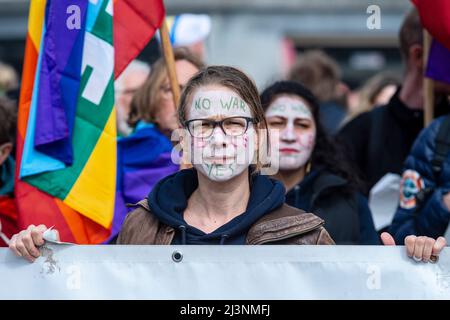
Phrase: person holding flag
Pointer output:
(379, 141)
(424, 207)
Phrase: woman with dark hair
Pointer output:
(312, 167)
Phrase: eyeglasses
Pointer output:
(233, 126)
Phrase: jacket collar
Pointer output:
(409, 117)
(282, 223)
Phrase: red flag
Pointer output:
(135, 23)
(8, 218)
(435, 17)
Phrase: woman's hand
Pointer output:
(24, 244)
(418, 248)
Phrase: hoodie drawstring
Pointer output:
(183, 234)
(182, 228)
(222, 239)
(297, 195)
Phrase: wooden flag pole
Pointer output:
(428, 84)
(170, 62)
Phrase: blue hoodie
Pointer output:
(169, 197)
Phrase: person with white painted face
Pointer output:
(223, 199)
(311, 167)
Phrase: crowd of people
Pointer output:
(332, 147)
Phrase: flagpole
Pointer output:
(170, 62)
(428, 84)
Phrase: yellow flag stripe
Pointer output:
(36, 21)
(98, 204)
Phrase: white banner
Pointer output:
(223, 272)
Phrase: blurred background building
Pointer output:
(263, 37)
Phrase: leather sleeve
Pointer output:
(138, 228)
(324, 238)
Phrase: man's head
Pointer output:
(7, 128)
(411, 41)
(412, 50)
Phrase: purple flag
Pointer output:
(60, 78)
(438, 67)
(143, 158)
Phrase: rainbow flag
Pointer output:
(66, 153)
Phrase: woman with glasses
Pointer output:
(311, 165)
(223, 199)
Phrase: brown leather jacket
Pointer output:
(285, 225)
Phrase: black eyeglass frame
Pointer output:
(220, 124)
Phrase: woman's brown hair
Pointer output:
(146, 100)
(241, 84)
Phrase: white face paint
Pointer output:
(297, 132)
(221, 157)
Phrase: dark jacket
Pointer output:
(331, 116)
(379, 141)
(159, 219)
(431, 218)
(346, 212)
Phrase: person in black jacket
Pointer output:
(311, 165)
(379, 141)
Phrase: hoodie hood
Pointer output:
(169, 198)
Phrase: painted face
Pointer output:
(217, 154)
(297, 131)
